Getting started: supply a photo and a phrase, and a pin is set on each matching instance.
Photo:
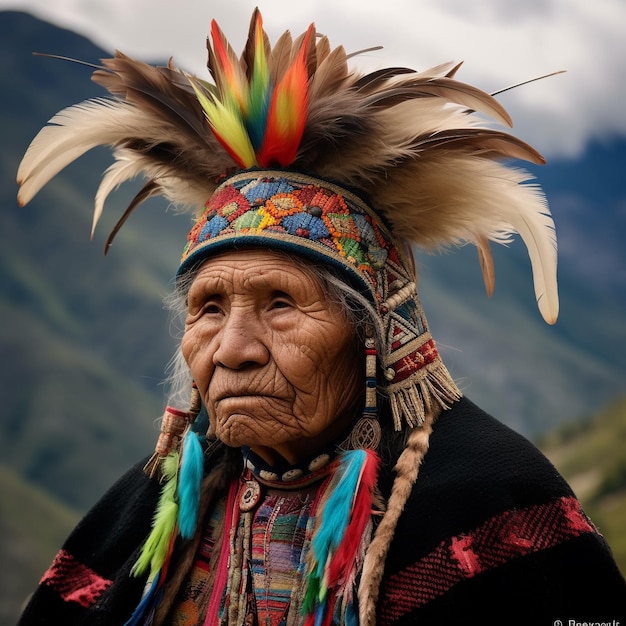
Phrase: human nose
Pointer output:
(241, 342)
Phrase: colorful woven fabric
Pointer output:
(281, 531)
(193, 598)
(279, 541)
(294, 212)
(506, 536)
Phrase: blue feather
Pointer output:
(138, 614)
(189, 479)
(351, 616)
(319, 615)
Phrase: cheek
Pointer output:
(345, 375)
(326, 369)
(197, 353)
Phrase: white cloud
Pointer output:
(501, 42)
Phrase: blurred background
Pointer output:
(85, 340)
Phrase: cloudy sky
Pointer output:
(500, 41)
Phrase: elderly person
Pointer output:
(328, 470)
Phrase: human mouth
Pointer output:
(241, 394)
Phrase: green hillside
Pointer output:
(32, 527)
(85, 339)
(591, 454)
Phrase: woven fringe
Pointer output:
(426, 393)
(407, 469)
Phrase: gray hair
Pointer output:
(356, 308)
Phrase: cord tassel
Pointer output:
(173, 424)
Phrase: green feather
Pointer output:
(156, 547)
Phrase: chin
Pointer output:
(242, 429)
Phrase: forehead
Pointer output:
(255, 270)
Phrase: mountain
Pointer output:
(85, 338)
(575, 449)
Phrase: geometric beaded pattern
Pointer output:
(301, 211)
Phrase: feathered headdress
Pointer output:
(412, 145)
(408, 141)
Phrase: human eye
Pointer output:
(212, 305)
(203, 303)
(281, 300)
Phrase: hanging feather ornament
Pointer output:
(340, 538)
(156, 549)
(181, 472)
(188, 489)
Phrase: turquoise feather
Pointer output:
(189, 480)
(336, 513)
(334, 519)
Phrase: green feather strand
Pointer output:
(154, 551)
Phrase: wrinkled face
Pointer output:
(277, 365)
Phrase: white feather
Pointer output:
(437, 208)
(536, 228)
(72, 132)
(119, 172)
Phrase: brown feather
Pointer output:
(281, 57)
(153, 88)
(322, 49)
(376, 80)
(149, 190)
(247, 56)
(444, 88)
(485, 258)
(482, 142)
(330, 74)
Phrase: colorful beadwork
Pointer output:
(308, 215)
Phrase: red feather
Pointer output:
(344, 559)
(287, 112)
